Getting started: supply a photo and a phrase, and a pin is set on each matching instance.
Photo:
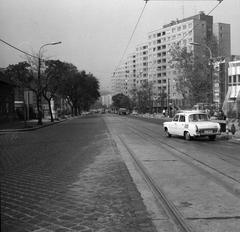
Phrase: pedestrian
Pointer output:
(164, 112)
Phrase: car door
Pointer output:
(181, 124)
(173, 129)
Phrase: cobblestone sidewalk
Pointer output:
(58, 179)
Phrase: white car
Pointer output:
(192, 124)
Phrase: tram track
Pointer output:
(234, 158)
(222, 182)
(201, 170)
(159, 193)
(217, 180)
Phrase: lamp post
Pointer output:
(39, 78)
(211, 70)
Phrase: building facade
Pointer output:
(7, 87)
(106, 100)
(150, 61)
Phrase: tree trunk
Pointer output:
(50, 110)
(38, 109)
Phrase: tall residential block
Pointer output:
(150, 60)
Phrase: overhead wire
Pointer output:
(194, 26)
(177, 42)
(132, 34)
(199, 22)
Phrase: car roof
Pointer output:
(191, 112)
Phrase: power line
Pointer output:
(200, 21)
(132, 34)
(18, 49)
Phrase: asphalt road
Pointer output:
(71, 176)
(68, 177)
(199, 177)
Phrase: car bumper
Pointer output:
(205, 134)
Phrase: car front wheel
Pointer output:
(187, 136)
(212, 137)
(167, 133)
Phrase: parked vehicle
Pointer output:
(192, 124)
(122, 111)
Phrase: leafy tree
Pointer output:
(194, 80)
(117, 100)
(52, 80)
(142, 96)
(193, 77)
(19, 74)
(162, 96)
(25, 76)
(81, 90)
(125, 102)
(134, 97)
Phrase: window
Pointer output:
(230, 80)
(173, 30)
(182, 118)
(175, 119)
(184, 27)
(179, 28)
(190, 25)
(234, 79)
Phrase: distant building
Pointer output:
(106, 100)
(150, 59)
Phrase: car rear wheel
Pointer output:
(212, 137)
(187, 136)
(167, 133)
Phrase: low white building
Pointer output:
(106, 100)
(231, 104)
(234, 79)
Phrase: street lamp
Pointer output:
(211, 69)
(39, 78)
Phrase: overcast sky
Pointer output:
(95, 33)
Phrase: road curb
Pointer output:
(29, 128)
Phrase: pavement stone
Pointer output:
(38, 192)
(43, 187)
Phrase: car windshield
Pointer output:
(198, 117)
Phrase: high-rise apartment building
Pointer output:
(106, 100)
(150, 61)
